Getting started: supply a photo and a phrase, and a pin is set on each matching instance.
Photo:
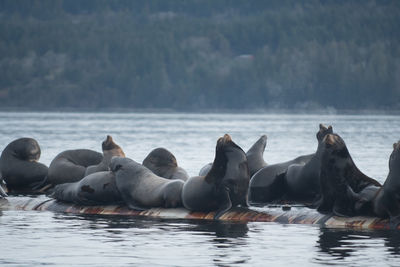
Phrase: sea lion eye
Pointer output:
(117, 167)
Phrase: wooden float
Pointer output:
(296, 215)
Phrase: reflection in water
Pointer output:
(346, 244)
(226, 240)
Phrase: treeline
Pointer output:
(199, 54)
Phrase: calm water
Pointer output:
(46, 238)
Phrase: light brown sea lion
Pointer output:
(110, 149)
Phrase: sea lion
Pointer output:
(19, 165)
(110, 149)
(70, 165)
(205, 169)
(224, 186)
(141, 188)
(255, 158)
(254, 155)
(274, 181)
(163, 163)
(386, 202)
(98, 188)
(340, 179)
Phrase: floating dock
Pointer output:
(295, 215)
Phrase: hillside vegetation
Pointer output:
(191, 55)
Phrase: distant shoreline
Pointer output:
(327, 111)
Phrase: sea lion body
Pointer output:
(387, 201)
(110, 149)
(19, 167)
(70, 165)
(141, 188)
(95, 189)
(163, 163)
(296, 180)
(342, 183)
(224, 186)
(302, 180)
(255, 159)
(273, 176)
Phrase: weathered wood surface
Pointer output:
(296, 215)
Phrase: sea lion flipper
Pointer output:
(245, 203)
(136, 206)
(225, 203)
(394, 222)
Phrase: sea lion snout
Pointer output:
(323, 131)
(330, 139)
(226, 138)
(396, 146)
(109, 144)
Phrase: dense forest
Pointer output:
(199, 54)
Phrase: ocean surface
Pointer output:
(32, 238)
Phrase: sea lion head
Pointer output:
(323, 131)
(119, 163)
(25, 149)
(160, 157)
(394, 160)
(261, 143)
(230, 169)
(332, 145)
(109, 146)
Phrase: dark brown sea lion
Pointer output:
(341, 181)
(110, 149)
(224, 186)
(296, 180)
(19, 167)
(386, 203)
(70, 165)
(141, 188)
(163, 163)
(98, 188)
(255, 155)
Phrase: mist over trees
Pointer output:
(199, 54)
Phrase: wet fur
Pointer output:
(141, 188)
(70, 165)
(163, 163)
(342, 183)
(387, 200)
(19, 165)
(95, 189)
(296, 180)
(224, 186)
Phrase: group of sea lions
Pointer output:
(327, 180)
